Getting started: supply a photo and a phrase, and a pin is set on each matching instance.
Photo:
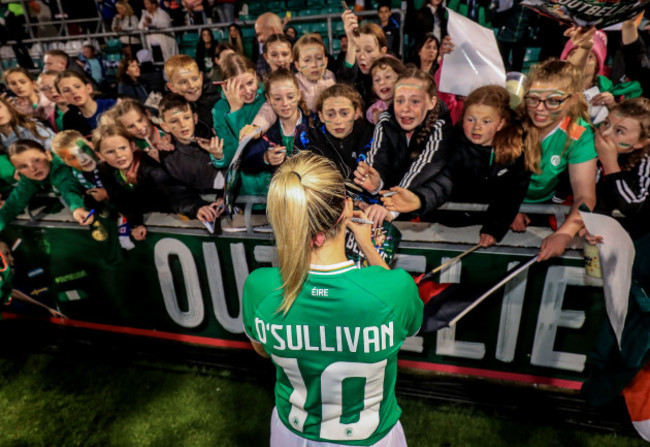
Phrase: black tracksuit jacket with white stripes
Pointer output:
(627, 192)
(410, 164)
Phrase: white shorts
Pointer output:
(281, 436)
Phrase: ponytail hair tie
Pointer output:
(297, 175)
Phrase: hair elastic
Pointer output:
(297, 175)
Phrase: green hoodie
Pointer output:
(59, 179)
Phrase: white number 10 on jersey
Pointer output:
(331, 381)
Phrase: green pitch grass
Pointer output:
(95, 397)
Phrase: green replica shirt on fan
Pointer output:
(335, 350)
(556, 156)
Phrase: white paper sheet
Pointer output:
(616, 259)
(475, 60)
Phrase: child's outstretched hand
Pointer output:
(98, 194)
(604, 99)
(520, 223)
(403, 202)
(275, 155)
(165, 143)
(378, 214)
(553, 245)
(214, 146)
(593, 239)
(209, 213)
(55, 313)
(139, 233)
(248, 129)
(367, 177)
(82, 216)
(487, 240)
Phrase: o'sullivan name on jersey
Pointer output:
(281, 337)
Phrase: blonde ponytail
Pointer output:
(306, 198)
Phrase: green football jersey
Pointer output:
(555, 158)
(336, 349)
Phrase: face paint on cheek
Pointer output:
(86, 149)
(623, 145)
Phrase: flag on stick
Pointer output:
(446, 303)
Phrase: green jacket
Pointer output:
(7, 180)
(60, 179)
(227, 125)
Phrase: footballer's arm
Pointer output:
(259, 349)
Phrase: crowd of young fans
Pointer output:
(577, 137)
(384, 136)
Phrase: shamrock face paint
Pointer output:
(283, 96)
(624, 131)
(411, 103)
(338, 115)
(312, 62)
(547, 105)
(80, 156)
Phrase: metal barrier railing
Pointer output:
(102, 33)
(559, 211)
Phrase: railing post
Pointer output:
(64, 26)
(28, 22)
(330, 35)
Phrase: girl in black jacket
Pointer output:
(623, 146)
(487, 164)
(344, 134)
(409, 146)
(137, 184)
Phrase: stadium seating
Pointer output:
(188, 43)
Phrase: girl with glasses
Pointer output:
(560, 139)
